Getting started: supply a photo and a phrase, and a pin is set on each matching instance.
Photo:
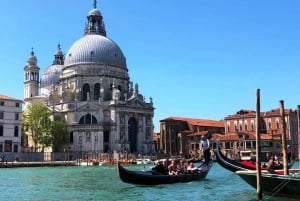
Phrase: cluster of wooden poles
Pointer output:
(283, 138)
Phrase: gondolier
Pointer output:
(204, 147)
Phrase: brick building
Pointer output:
(240, 133)
(236, 134)
(181, 136)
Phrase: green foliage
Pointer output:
(44, 132)
(59, 133)
(37, 123)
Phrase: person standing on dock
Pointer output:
(289, 153)
(204, 147)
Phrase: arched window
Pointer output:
(106, 141)
(120, 88)
(88, 119)
(1, 130)
(16, 131)
(71, 137)
(85, 91)
(121, 93)
(132, 134)
(32, 76)
(277, 124)
(235, 127)
(97, 91)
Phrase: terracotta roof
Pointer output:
(155, 136)
(229, 137)
(251, 113)
(196, 122)
(198, 133)
(3, 97)
(235, 136)
(242, 112)
(277, 112)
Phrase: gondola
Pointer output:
(275, 184)
(227, 163)
(152, 178)
(234, 165)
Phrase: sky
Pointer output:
(198, 58)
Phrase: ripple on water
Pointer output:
(102, 183)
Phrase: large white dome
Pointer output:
(94, 48)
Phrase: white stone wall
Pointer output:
(9, 122)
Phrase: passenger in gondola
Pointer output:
(159, 168)
(172, 168)
(271, 166)
(289, 152)
(166, 163)
(191, 168)
(277, 164)
(181, 167)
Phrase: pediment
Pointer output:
(88, 107)
(137, 103)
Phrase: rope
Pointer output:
(281, 185)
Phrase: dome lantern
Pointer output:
(32, 61)
(95, 24)
(94, 46)
(59, 56)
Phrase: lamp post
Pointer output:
(65, 161)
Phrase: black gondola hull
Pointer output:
(150, 178)
(227, 163)
(234, 165)
(275, 184)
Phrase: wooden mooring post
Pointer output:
(283, 138)
(258, 155)
(298, 121)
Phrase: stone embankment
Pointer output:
(37, 164)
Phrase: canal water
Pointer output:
(102, 183)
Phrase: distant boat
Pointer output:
(279, 185)
(153, 178)
(91, 163)
(234, 165)
(143, 161)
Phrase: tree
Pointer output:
(59, 134)
(36, 123)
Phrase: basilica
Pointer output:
(89, 88)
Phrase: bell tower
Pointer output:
(31, 77)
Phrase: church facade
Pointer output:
(90, 89)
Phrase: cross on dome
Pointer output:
(32, 52)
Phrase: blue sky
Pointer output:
(197, 58)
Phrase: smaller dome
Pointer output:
(51, 75)
(94, 12)
(32, 60)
